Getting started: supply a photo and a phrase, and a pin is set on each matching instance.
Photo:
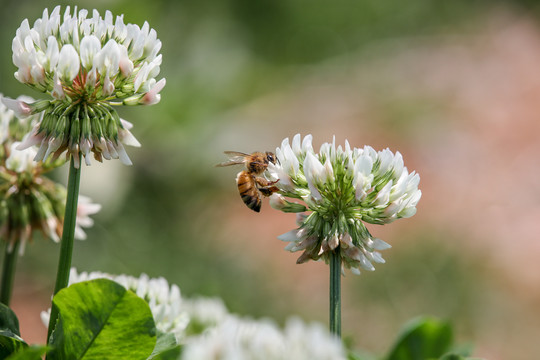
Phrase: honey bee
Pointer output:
(251, 185)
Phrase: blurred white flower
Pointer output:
(342, 187)
(87, 64)
(204, 313)
(241, 338)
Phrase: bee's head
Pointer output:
(271, 157)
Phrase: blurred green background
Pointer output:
(428, 78)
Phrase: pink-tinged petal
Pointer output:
(125, 64)
(20, 108)
(31, 139)
(87, 207)
(108, 86)
(58, 90)
(152, 97)
(86, 146)
(91, 78)
(102, 146)
(126, 137)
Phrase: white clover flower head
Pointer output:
(87, 64)
(343, 188)
(242, 338)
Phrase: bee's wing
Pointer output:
(235, 154)
(235, 158)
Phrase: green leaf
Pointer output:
(100, 319)
(421, 339)
(8, 320)
(169, 354)
(34, 352)
(166, 347)
(10, 343)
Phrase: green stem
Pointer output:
(68, 233)
(8, 273)
(335, 292)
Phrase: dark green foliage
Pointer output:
(34, 352)
(421, 339)
(100, 319)
(8, 320)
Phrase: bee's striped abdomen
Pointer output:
(248, 191)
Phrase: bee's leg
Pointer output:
(267, 191)
(262, 182)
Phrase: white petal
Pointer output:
(52, 53)
(290, 236)
(90, 46)
(379, 244)
(68, 63)
(108, 58)
(296, 148)
(123, 156)
(306, 144)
